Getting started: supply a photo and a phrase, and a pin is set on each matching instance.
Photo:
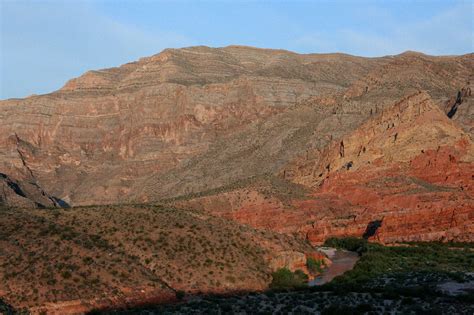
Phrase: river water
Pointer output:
(342, 261)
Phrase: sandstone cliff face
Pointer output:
(404, 175)
(408, 171)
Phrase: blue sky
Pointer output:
(45, 43)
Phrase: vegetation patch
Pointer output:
(352, 244)
(284, 278)
(315, 266)
(403, 267)
(386, 279)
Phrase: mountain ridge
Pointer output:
(188, 121)
(244, 47)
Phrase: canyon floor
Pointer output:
(408, 279)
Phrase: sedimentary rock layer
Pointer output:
(193, 119)
(404, 175)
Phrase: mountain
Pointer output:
(205, 170)
(198, 121)
(193, 119)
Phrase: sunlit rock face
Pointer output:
(403, 175)
(319, 144)
(102, 136)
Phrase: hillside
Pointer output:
(100, 257)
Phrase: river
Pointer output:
(342, 261)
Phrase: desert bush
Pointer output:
(314, 265)
(180, 294)
(353, 244)
(283, 278)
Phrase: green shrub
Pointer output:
(353, 244)
(314, 266)
(66, 274)
(283, 278)
(180, 295)
(87, 260)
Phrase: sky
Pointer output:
(45, 43)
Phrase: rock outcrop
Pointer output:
(404, 175)
(294, 260)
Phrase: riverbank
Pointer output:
(385, 279)
(342, 261)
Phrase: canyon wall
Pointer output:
(317, 144)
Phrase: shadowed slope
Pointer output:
(99, 257)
